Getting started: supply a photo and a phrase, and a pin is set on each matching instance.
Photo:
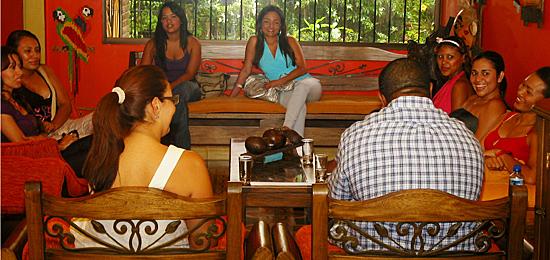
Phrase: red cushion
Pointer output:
(38, 148)
(16, 170)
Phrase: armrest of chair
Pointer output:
(16, 241)
(285, 246)
(38, 148)
(258, 244)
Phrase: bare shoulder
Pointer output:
(193, 41)
(251, 44)
(149, 50)
(253, 39)
(291, 39)
(191, 160)
(532, 137)
(293, 42)
(497, 104)
(493, 109)
(150, 44)
(463, 82)
(47, 68)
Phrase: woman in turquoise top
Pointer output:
(281, 59)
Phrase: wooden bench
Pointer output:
(348, 74)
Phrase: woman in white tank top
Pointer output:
(128, 125)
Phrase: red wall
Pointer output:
(524, 48)
(105, 64)
(12, 17)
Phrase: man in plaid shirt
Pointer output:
(409, 144)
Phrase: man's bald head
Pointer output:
(404, 77)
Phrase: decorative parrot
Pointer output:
(72, 34)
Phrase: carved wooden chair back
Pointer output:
(147, 205)
(413, 210)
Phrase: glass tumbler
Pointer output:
(321, 161)
(307, 152)
(245, 169)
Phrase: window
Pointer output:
(363, 21)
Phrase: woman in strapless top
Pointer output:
(490, 85)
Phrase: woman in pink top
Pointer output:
(454, 62)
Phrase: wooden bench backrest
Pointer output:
(137, 203)
(419, 206)
(336, 66)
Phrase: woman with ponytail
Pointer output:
(489, 82)
(281, 59)
(128, 125)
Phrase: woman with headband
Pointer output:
(454, 62)
(128, 125)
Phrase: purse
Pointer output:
(211, 84)
(254, 88)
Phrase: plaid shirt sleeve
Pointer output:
(338, 182)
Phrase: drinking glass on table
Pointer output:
(307, 153)
(321, 161)
(245, 169)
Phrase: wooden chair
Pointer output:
(136, 203)
(502, 218)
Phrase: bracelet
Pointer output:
(502, 152)
(238, 85)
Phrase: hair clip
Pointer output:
(120, 93)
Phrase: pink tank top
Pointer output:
(443, 99)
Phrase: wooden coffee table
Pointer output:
(269, 194)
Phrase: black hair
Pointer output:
(16, 36)
(161, 36)
(17, 94)
(284, 45)
(498, 64)
(544, 75)
(463, 50)
(467, 118)
(404, 76)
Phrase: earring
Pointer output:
(279, 34)
(157, 116)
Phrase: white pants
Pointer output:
(305, 90)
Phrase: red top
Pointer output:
(517, 145)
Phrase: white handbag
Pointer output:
(254, 88)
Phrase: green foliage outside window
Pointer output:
(375, 21)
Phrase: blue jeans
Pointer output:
(179, 128)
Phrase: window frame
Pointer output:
(385, 46)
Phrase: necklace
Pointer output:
(499, 128)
